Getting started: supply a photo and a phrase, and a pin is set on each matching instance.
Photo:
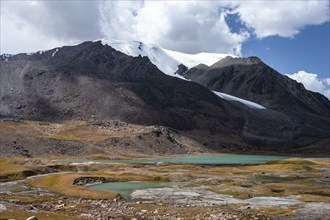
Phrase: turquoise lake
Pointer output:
(126, 188)
(214, 159)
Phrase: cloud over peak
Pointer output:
(184, 26)
(187, 26)
(312, 82)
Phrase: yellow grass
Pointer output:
(314, 198)
(232, 192)
(63, 184)
(71, 130)
(286, 211)
(10, 165)
(27, 199)
(81, 131)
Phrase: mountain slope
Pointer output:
(94, 82)
(65, 86)
(251, 79)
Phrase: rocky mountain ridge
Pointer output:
(251, 79)
(93, 82)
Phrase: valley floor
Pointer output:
(52, 189)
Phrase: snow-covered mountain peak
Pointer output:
(166, 60)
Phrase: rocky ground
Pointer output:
(82, 138)
(115, 139)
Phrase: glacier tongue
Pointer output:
(234, 98)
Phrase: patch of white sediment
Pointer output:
(201, 196)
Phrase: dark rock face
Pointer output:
(94, 82)
(181, 69)
(88, 180)
(251, 79)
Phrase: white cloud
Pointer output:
(187, 26)
(282, 18)
(37, 25)
(327, 81)
(312, 82)
(17, 36)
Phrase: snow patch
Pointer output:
(234, 98)
(192, 60)
(6, 56)
(55, 52)
(166, 60)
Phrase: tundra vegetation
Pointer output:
(55, 195)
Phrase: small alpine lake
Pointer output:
(126, 188)
(213, 159)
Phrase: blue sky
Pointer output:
(292, 36)
(308, 50)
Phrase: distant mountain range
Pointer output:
(219, 100)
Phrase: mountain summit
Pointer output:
(168, 61)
